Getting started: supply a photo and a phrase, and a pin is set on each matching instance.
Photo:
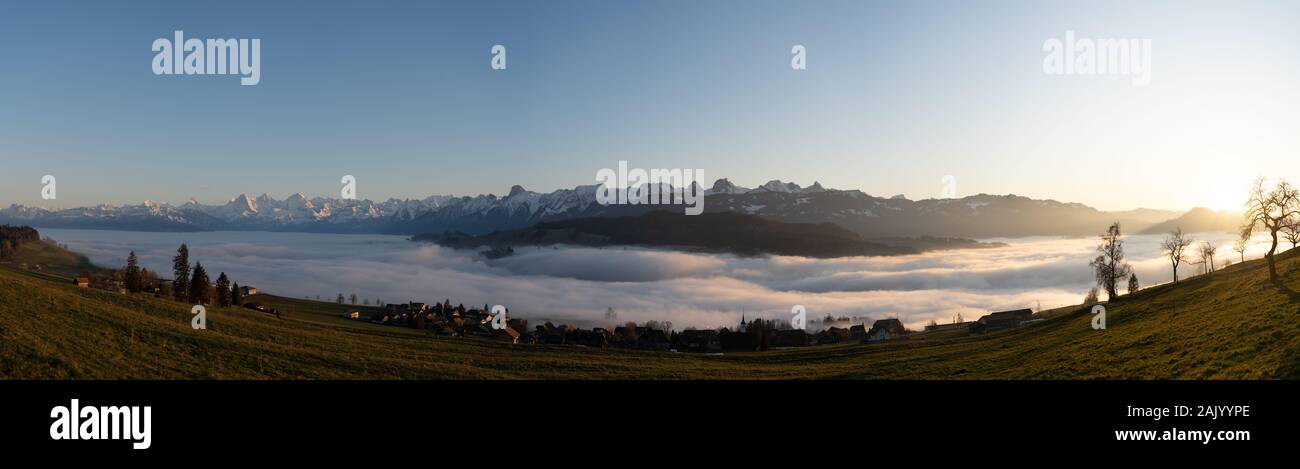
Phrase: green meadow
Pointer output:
(1235, 324)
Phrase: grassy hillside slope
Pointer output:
(1236, 324)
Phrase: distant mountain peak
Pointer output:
(724, 186)
(516, 190)
(776, 185)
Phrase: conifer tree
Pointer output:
(223, 290)
(132, 277)
(200, 286)
(236, 297)
(181, 273)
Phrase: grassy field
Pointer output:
(1236, 325)
(53, 259)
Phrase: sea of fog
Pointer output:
(689, 289)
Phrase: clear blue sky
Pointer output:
(400, 94)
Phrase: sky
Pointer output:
(895, 96)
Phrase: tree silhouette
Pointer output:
(223, 290)
(133, 278)
(1243, 243)
(1109, 266)
(1270, 211)
(1092, 297)
(200, 286)
(181, 273)
(236, 297)
(1207, 251)
(1291, 230)
(1174, 246)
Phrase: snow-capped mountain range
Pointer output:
(975, 216)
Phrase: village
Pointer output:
(445, 320)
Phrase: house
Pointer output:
(626, 335)
(352, 315)
(858, 332)
(1001, 320)
(83, 282)
(787, 338)
(587, 338)
(886, 329)
(833, 335)
(729, 340)
(512, 334)
(550, 334)
(948, 327)
(247, 291)
(704, 340)
(654, 339)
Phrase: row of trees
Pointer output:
(352, 299)
(13, 236)
(1175, 247)
(189, 285)
(1275, 211)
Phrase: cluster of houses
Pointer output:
(444, 319)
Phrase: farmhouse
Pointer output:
(83, 282)
(952, 326)
(834, 334)
(1001, 320)
(702, 340)
(787, 338)
(736, 340)
(247, 291)
(886, 329)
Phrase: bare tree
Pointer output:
(1109, 266)
(1174, 246)
(1206, 251)
(1291, 230)
(1242, 244)
(1270, 211)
